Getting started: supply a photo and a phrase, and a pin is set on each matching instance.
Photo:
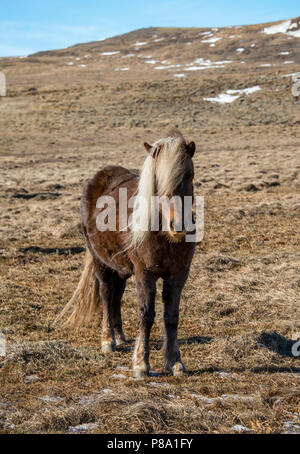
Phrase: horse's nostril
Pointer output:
(172, 225)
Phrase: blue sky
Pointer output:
(27, 26)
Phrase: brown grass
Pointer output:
(240, 308)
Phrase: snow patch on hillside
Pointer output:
(210, 40)
(114, 52)
(283, 27)
(201, 63)
(232, 95)
(286, 27)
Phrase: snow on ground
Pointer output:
(140, 43)
(288, 62)
(128, 55)
(198, 68)
(222, 98)
(247, 91)
(210, 40)
(294, 25)
(179, 75)
(278, 28)
(205, 64)
(285, 27)
(232, 95)
(222, 62)
(285, 53)
(265, 65)
(121, 69)
(167, 67)
(292, 75)
(115, 52)
(296, 33)
(240, 50)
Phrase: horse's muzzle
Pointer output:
(175, 236)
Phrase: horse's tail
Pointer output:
(85, 302)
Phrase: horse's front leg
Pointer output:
(146, 289)
(171, 297)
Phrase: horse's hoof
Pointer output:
(139, 372)
(179, 370)
(120, 340)
(107, 347)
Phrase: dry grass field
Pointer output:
(239, 313)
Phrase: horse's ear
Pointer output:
(147, 147)
(153, 151)
(191, 148)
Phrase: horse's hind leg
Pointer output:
(119, 288)
(105, 277)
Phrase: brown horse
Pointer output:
(113, 255)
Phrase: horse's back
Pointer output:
(103, 183)
(105, 245)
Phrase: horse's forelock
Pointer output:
(161, 173)
(170, 164)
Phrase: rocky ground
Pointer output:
(70, 112)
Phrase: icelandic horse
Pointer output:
(114, 255)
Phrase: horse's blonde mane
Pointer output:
(160, 174)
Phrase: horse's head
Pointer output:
(168, 173)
